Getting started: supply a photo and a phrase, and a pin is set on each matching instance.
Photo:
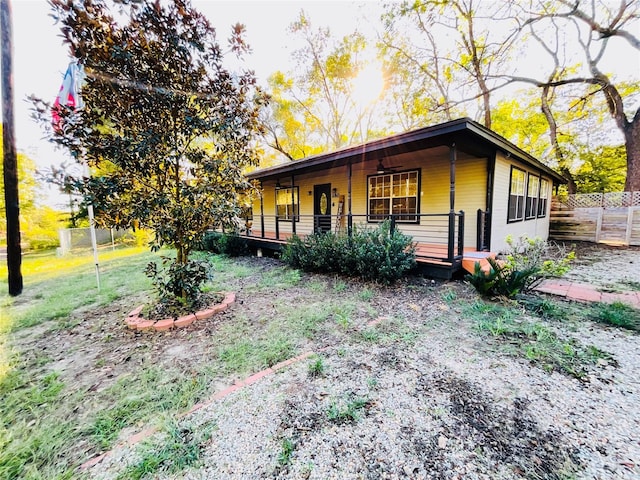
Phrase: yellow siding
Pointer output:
(535, 227)
(471, 180)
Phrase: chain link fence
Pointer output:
(77, 238)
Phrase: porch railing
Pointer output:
(484, 230)
(437, 236)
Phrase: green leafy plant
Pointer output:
(375, 254)
(348, 410)
(316, 367)
(525, 264)
(286, 452)
(178, 284)
(230, 244)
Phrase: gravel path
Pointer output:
(432, 399)
(606, 266)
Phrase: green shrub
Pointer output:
(230, 244)
(210, 242)
(233, 245)
(178, 285)
(370, 253)
(521, 268)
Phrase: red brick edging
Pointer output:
(136, 322)
(586, 293)
(238, 385)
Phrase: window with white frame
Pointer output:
(516, 195)
(287, 203)
(394, 194)
(543, 198)
(533, 189)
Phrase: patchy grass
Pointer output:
(347, 410)
(616, 314)
(136, 399)
(535, 341)
(178, 447)
(47, 277)
(316, 367)
(631, 285)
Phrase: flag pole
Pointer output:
(69, 95)
(92, 231)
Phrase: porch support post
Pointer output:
(293, 206)
(349, 217)
(277, 215)
(452, 197)
(261, 209)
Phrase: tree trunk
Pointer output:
(10, 165)
(553, 138)
(632, 145)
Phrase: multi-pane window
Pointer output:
(394, 194)
(544, 195)
(287, 203)
(531, 208)
(516, 195)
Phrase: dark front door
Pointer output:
(322, 208)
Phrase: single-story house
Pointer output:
(457, 188)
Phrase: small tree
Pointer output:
(166, 126)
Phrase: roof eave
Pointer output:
(341, 157)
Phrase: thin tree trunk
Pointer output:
(553, 138)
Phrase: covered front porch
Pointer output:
(438, 238)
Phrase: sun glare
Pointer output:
(367, 86)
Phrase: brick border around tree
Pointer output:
(135, 321)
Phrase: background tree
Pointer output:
(590, 30)
(27, 185)
(61, 177)
(419, 81)
(456, 45)
(520, 120)
(318, 107)
(166, 125)
(603, 169)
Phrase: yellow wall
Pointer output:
(535, 227)
(471, 180)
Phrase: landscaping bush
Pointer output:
(178, 285)
(230, 244)
(521, 268)
(373, 254)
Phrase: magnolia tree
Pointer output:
(166, 128)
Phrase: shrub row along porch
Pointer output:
(422, 181)
(439, 238)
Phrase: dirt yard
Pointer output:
(406, 382)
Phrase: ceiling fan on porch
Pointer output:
(381, 168)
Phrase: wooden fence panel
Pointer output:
(634, 230)
(581, 224)
(614, 224)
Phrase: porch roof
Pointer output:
(468, 136)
